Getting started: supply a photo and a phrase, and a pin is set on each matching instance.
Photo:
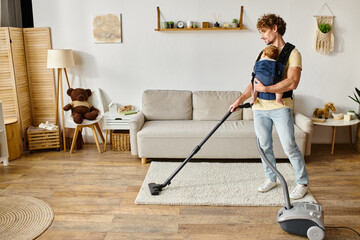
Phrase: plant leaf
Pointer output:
(358, 91)
(356, 100)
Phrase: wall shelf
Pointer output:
(241, 26)
(199, 29)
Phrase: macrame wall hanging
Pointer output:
(324, 35)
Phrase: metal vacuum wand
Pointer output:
(156, 188)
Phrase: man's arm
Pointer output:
(245, 95)
(290, 83)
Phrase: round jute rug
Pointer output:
(23, 217)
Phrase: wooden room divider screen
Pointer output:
(27, 86)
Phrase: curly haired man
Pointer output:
(268, 112)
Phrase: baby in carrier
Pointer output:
(265, 71)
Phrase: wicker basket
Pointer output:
(121, 140)
(40, 138)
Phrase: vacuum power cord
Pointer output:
(348, 229)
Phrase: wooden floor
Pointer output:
(93, 195)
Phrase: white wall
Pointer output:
(204, 60)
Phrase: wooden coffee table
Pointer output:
(337, 123)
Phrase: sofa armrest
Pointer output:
(135, 124)
(305, 124)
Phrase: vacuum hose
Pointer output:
(278, 174)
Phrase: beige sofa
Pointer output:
(173, 122)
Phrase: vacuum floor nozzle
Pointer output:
(155, 188)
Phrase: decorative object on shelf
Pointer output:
(171, 24)
(227, 25)
(194, 25)
(319, 112)
(324, 36)
(189, 24)
(180, 24)
(205, 24)
(107, 28)
(164, 25)
(234, 23)
(60, 59)
(216, 19)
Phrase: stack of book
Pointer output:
(128, 112)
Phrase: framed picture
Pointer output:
(106, 28)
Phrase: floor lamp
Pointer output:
(60, 59)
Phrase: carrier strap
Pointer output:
(253, 73)
(285, 53)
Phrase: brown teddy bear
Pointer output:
(79, 106)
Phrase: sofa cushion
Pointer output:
(213, 105)
(167, 105)
(247, 112)
(234, 139)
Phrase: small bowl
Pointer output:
(338, 116)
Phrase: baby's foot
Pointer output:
(280, 101)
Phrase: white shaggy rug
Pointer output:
(218, 184)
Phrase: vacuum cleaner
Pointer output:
(302, 218)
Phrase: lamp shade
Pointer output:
(60, 58)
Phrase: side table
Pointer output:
(115, 121)
(337, 123)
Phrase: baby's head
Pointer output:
(271, 52)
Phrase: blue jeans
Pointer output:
(283, 121)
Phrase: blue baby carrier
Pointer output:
(272, 72)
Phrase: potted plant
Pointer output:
(352, 114)
(171, 24)
(324, 27)
(356, 98)
(234, 23)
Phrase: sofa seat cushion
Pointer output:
(176, 139)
